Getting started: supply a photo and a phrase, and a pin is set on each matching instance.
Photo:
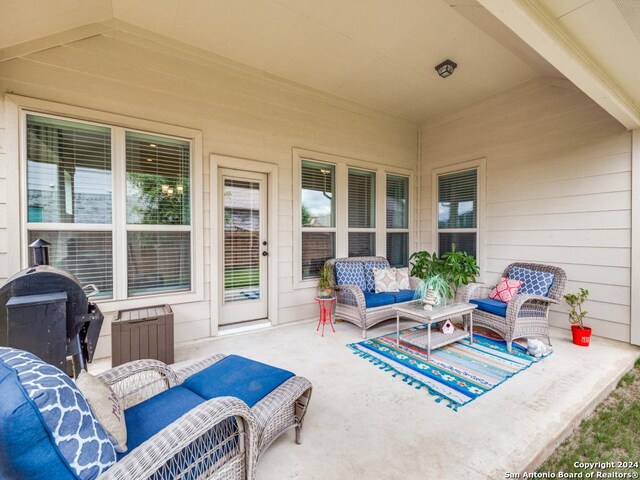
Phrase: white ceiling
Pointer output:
(379, 53)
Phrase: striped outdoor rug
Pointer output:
(457, 373)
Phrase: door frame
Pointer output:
(216, 162)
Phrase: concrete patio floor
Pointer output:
(364, 424)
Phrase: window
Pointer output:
(458, 211)
(318, 216)
(362, 213)
(397, 220)
(72, 171)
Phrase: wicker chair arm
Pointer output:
(198, 366)
(189, 431)
(521, 300)
(136, 381)
(470, 291)
(350, 295)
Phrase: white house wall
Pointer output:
(241, 112)
(558, 190)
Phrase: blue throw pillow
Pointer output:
(41, 403)
(350, 273)
(534, 282)
(370, 282)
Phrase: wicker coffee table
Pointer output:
(430, 338)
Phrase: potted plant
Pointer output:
(438, 285)
(581, 334)
(325, 280)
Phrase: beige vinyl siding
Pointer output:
(558, 190)
(241, 112)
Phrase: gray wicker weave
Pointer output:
(527, 315)
(205, 443)
(282, 409)
(350, 303)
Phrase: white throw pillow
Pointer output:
(106, 407)
(402, 277)
(385, 280)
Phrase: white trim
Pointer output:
(635, 237)
(480, 165)
(342, 165)
(17, 109)
(217, 161)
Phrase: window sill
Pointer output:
(149, 301)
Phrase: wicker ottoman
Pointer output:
(278, 399)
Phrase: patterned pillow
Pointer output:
(370, 284)
(350, 273)
(505, 290)
(534, 282)
(385, 280)
(402, 276)
(79, 438)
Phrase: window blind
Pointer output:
(398, 249)
(362, 207)
(68, 171)
(158, 180)
(317, 248)
(158, 262)
(457, 199)
(397, 202)
(362, 244)
(465, 242)
(86, 254)
(318, 186)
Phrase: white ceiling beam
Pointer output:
(537, 27)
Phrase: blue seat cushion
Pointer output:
(350, 273)
(239, 377)
(146, 419)
(369, 279)
(378, 299)
(534, 282)
(47, 429)
(490, 305)
(403, 295)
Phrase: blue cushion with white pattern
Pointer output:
(369, 265)
(350, 273)
(534, 282)
(47, 429)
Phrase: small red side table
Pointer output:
(326, 307)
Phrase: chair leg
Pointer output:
(298, 434)
(364, 333)
(549, 339)
(509, 346)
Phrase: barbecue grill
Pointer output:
(45, 310)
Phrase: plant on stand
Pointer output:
(325, 280)
(581, 334)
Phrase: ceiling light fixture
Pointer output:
(446, 68)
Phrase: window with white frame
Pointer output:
(362, 212)
(317, 204)
(458, 211)
(130, 244)
(397, 220)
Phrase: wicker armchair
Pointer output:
(527, 315)
(204, 443)
(350, 301)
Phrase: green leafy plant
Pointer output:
(456, 268)
(325, 279)
(576, 313)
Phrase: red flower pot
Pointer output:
(581, 336)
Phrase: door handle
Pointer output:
(265, 253)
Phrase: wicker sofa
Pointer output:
(357, 302)
(526, 315)
(174, 430)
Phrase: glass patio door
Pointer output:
(244, 249)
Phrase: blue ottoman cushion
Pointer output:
(378, 299)
(350, 273)
(46, 427)
(239, 377)
(490, 305)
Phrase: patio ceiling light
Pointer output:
(446, 68)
